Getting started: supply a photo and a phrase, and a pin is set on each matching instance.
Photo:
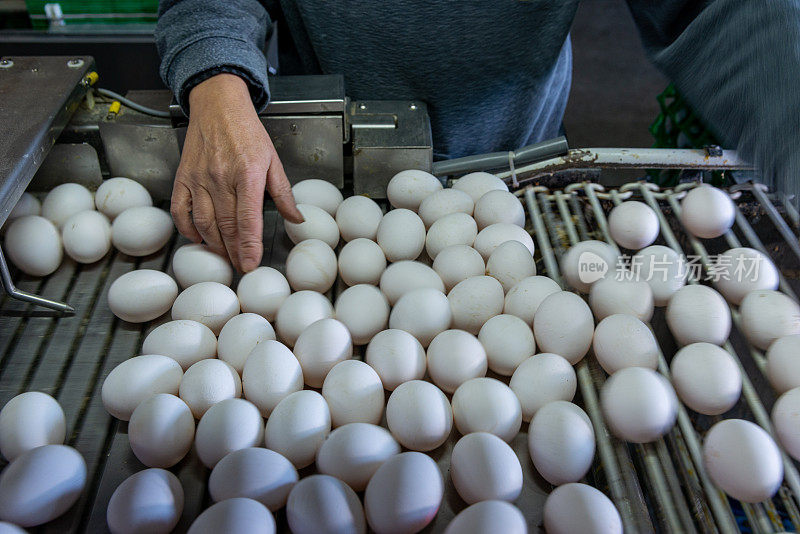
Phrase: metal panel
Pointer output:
(388, 136)
(68, 162)
(39, 96)
(310, 146)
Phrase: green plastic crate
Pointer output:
(81, 12)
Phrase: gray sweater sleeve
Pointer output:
(738, 64)
(199, 38)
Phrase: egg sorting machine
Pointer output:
(661, 486)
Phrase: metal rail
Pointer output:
(676, 506)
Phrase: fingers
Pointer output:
(225, 210)
(281, 191)
(205, 221)
(181, 210)
(249, 214)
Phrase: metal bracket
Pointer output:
(60, 308)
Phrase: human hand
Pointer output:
(227, 162)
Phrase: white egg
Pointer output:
(706, 378)
(9, 528)
(254, 473)
(444, 202)
(783, 363)
(510, 263)
(524, 298)
(161, 430)
(86, 236)
(321, 346)
(147, 501)
(135, 380)
(474, 301)
(352, 453)
(483, 468)
(64, 201)
(452, 229)
(423, 313)
(26, 205)
(707, 212)
(271, 373)
(499, 207)
(697, 313)
(768, 315)
(361, 261)
(209, 303)
(30, 420)
(297, 427)
(239, 337)
(633, 225)
(142, 295)
(115, 195)
(638, 404)
(317, 224)
(262, 291)
(33, 244)
(227, 426)
(319, 193)
(298, 312)
(508, 341)
(141, 231)
(786, 419)
(563, 325)
(407, 189)
(41, 484)
(487, 517)
(576, 507)
(477, 184)
(401, 235)
(622, 341)
(611, 296)
(404, 494)
(234, 515)
(561, 442)
(455, 356)
(397, 357)
(541, 379)
(662, 269)
(739, 271)
(311, 265)
(321, 504)
(358, 217)
(419, 415)
(187, 342)
(195, 263)
(208, 382)
(354, 393)
(496, 234)
(743, 460)
(487, 405)
(456, 263)
(404, 276)
(364, 310)
(587, 262)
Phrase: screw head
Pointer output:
(363, 106)
(75, 63)
(6, 64)
(413, 107)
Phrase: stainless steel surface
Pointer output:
(381, 152)
(69, 162)
(39, 94)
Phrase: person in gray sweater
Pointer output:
(494, 74)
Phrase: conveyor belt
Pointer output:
(657, 487)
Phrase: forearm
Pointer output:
(738, 63)
(200, 38)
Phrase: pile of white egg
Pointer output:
(84, 225)
(443, 323)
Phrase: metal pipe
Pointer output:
(8, 284)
